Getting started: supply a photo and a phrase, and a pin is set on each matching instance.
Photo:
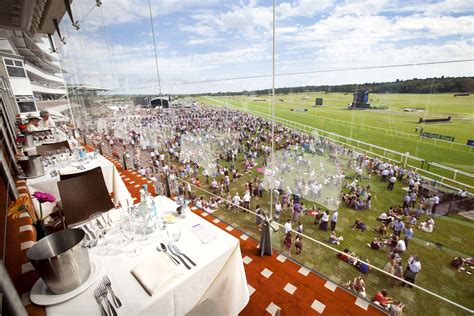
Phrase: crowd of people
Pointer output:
(212, 148)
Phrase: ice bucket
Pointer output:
(61, 260)
(32, 165)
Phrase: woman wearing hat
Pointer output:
(33, 122)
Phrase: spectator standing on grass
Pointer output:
(413, 198)
(334, 217)
(408, 235)
(406, 200)
(391, 183)
(236, 202)
(277, 211)
(260, 189)
(384, 174)
(324, 221)
(288, 243)
(288, 226)
(246, 200)
(298, 244)
(413, 268)
(398, 227)
(358, 173)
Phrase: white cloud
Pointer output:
(302, 8)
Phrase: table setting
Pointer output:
(168, 269)
(63, 162)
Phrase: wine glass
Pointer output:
(128, 229)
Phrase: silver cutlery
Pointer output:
(94, 240)
(99, 224)
(98, 297)
(163, 247)
(108, 285)
(178, 256)
(103, 290)
(182, 254)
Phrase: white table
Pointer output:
(112, 178)
(219, 275)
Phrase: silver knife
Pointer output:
(173, 251)
(183, 254)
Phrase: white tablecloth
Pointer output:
(219, 275)
(112, 178)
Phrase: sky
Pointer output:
(204, 45)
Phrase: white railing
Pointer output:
(398, 157)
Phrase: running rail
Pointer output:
(403, 157)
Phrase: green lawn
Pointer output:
(397, 128)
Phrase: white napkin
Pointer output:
(68, 170)
(154, 272)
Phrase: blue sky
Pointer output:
(200, 40)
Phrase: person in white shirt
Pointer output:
(334, 217)
(33, 122)
(288, 226)
(414, 266)
(236, 202)
(47, 121)
(401, 246)
(246, 200)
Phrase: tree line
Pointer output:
(428, 85)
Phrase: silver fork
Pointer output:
(103, 290)
(98, 297)
(108, 285)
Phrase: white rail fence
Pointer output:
(450, 179)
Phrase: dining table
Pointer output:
(48, 182)
(218, 273)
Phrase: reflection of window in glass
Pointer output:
(15, 68)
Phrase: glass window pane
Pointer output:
(18, 63)
(16, 72)
(9, 62)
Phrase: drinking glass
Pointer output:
(174, 232)
(128, 229)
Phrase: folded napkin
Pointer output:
(68, 170)
(154, 272)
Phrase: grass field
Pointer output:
(392, 128)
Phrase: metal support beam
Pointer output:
(69, 12)
(56, 26)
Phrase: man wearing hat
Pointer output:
(33, 122)
(47, 122)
